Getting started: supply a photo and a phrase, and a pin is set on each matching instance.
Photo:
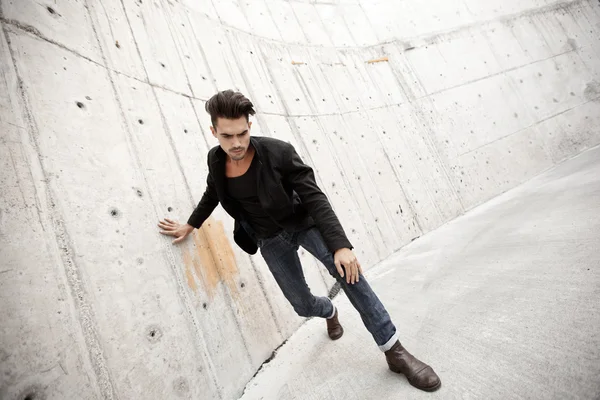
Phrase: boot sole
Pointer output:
(426, 389)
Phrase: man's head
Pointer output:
(230, 115)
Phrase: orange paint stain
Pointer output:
(211, 259)
(187, 260)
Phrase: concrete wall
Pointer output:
(411, 113)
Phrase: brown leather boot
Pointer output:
(334, 329)
(419, 374)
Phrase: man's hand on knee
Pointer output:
(347, 258)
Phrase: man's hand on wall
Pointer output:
(347, 258)
(173, 228)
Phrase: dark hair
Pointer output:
(229, 104)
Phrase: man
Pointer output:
(277, 207)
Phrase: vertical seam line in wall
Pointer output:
(362, 107)
(329, 36)
(368, 78)
(181, 288)
(176, 43)
(408, 199)
(77, 287)
(428, 142)
(432, 147)
(569, 11)
(273, 19)
(302, 84)
(298, 21)
(366, 16)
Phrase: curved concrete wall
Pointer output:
(410, 116)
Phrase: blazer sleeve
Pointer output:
(207, 204)
(302, 179)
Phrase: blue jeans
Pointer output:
(281, 255)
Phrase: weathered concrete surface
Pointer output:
(502, 302)
(410, 113)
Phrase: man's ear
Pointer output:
(249, 125)
(213, 131)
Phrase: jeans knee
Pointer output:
(304, 309)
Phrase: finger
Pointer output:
(348, 268)
(338, 266)
(179, 239)
(168, 233)
(354, 272)
(170, 220)
(167, 226)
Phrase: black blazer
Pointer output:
(286, 189)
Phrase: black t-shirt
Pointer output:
(244, 190)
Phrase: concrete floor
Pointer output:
(503, 302)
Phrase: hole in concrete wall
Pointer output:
(153, 334)
(88, 97)
(205, 306)
(571, 93)
(243, 285)
(140, 260)
(141, 122)
(80, 104)
(554, 100)
(114, 212)
(185, 131)
(181, 386)
(117, 44)
(31, 393)
(50, 10)
(162, 65)
(139, 192)
(169, 209)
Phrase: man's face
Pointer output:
(233, 136)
